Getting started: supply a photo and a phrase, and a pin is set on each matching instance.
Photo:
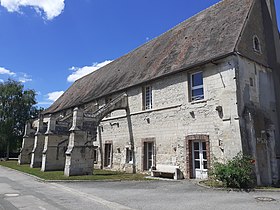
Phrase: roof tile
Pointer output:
(209, 34)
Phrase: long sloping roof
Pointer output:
(210, 34)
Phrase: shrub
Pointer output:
(236, 173)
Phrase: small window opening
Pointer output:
(251, 82)
(95, 156)
(257, 45)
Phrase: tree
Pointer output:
(16, 107)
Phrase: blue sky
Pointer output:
(48, 46)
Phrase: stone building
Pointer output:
(204, 90)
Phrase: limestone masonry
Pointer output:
(205, 90)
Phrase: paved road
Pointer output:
(20, 191)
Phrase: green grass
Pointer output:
(58, 175)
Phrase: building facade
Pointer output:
(201, 92)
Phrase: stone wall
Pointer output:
(174, 117)
(236, 114)
(257, 108)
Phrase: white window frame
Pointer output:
(147, 97)
(200, 97)
(201, 172)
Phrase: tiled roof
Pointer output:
(208, 35)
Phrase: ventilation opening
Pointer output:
(257, 45)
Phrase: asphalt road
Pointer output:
(20, 191)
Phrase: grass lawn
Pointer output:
(58, 175)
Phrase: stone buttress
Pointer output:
(56, 140)
(36, 157)
(27, 145)
(80, 151)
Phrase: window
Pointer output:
(199, 154)
(95, 156)
(129, 156)
(197, 86)
(256, 44)
(108, 155)
(251, 82)
(149, 155)
(147, 98)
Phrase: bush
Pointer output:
(236, 173)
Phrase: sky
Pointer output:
(48, 44)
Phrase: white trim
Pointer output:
(200, 159)
(150, 97)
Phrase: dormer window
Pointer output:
(256, 44)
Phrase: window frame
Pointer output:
(192, 88)
(146, 158)
(149, 105)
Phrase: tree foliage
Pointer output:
(16, 107)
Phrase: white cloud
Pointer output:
(51, 8)
(80, 72)
(20, 76)
(6, 71)
(45, 103)
(53, 96)
(24, 78)
(1, 80)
